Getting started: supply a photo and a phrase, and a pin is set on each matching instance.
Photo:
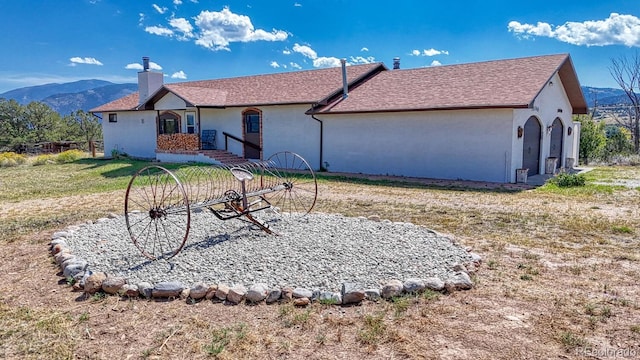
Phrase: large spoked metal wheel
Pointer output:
(297, 189)
(156, 209)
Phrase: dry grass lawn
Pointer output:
(559, 280)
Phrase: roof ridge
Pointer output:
(490, 61)
(372, 64)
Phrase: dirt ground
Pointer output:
(558, 281)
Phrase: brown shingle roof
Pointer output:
(513, 83)
(296, 87)
(128, 102)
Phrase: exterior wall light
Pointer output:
(520, 132)
(569, 131)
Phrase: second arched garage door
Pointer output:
(531, 146)
(555, 151)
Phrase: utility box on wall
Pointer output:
(521, 175)
(550, 165)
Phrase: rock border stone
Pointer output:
(77, 272)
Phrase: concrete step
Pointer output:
(224, 157)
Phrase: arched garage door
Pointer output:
(531, 146)
(555, 150)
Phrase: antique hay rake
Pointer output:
(159, 202)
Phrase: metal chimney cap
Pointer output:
(396, 63)
(145, 63)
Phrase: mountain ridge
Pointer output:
(69, 97)
(88, 94)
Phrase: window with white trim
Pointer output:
(191, 122)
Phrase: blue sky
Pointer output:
(48, 41)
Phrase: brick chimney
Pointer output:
(148, 81)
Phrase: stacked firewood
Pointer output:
(179, 142)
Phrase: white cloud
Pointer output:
(305, 50)
(294, 65)
(434, 52)
(297, 4)
(177, 2)
(179, 75)
(617, 29)
(364, 49)
(436, 63)
(323, 62)
(274, 64)
(160, 10)
(141, 17)
(136, 66)
(218, 29)
(159, 30)
(429, 52)
(362, 60)
(184, 26)
(85, 60)
(286, 52)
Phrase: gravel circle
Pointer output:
(318, 251)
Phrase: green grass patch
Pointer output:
(225, 338)
(622, 230)
(373, 329)
(571, 340)
(612, 173)
(83, 176)
(586, 191)
(35, 334)
(292, 316)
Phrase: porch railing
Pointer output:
(228, 136)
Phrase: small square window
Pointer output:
(113, 117)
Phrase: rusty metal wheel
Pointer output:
(156, 209)
(297, 186)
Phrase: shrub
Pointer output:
(9, 159)
(569, 180)
(69, 156)
(44, 159)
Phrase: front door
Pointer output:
(557, 130)
(252, 125)
(531, 146)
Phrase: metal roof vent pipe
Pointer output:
(396, 63)
(345, 84)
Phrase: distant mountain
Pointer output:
(604, 96)
(88, 99)
(68, 97)
(28, 94)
